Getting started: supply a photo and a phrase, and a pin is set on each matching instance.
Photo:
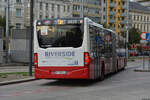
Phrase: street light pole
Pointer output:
(81, 9)
(31, 37)
(127, 34)
(7, 30)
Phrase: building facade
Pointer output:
(20, 10)
(48, 9)
(91, 9)
(16, 12)
(114, 14)
(139, 17)
(145, 3)
(3, 5)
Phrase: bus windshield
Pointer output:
(60, 35)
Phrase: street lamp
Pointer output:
(127, 27)
(81, 9)
(31, 37)
(7, 30)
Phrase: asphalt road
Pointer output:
(125, 85)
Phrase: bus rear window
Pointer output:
(60, 36)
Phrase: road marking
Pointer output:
(36, 91)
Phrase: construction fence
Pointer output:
(1, 45)
(19, 45)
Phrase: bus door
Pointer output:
(94, 47)
(114, 53)
(108, 51)
(97, 50)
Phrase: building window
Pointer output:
(137, 18)
(134, 17)
(64, 8)
(18, 1)
(46, 6)
(68, 9)
(18, 12)
(40, 5)
(18, 26)
(53, 7)
(58, 8)
(144, 18)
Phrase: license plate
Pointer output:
(60, 72)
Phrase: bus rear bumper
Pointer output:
(72, 73)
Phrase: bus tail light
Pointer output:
(86, 59)
(35, 60)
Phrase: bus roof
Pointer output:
(111, 31)
(75, 18)
(94, 23)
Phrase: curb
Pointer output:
(141, 70)
(3, 65)
(17, 81)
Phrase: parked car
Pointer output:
(133, 53)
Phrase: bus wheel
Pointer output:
(124, 65)
(102, 73)
(117, 69)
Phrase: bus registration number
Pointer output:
(60, 72)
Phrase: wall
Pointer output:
(1, 46)
(19, 46)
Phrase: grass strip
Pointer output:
(5, 75)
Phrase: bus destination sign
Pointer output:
(59, 22)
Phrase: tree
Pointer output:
(2, 21)
(134, 36)
(123, 34)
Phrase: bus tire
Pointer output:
(117, 69)
(102, 77)
(124, 65)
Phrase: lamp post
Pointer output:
(31, 37)
(7, 30)
(127, 27)
(81, 9)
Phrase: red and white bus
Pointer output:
(75, 48)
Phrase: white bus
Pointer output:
(74, 48)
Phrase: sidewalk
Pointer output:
(14, 73)
(6, 69)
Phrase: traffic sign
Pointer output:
(99, 39)
(148, 37)
(108, 38)
(143, 36)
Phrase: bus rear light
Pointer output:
(35, 59)
(86, 59)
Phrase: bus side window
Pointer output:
(91, 33)
(102, 42)
(108, 45)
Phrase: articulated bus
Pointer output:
(75, 48)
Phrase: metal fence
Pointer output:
(1, 45)
(19, 45)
